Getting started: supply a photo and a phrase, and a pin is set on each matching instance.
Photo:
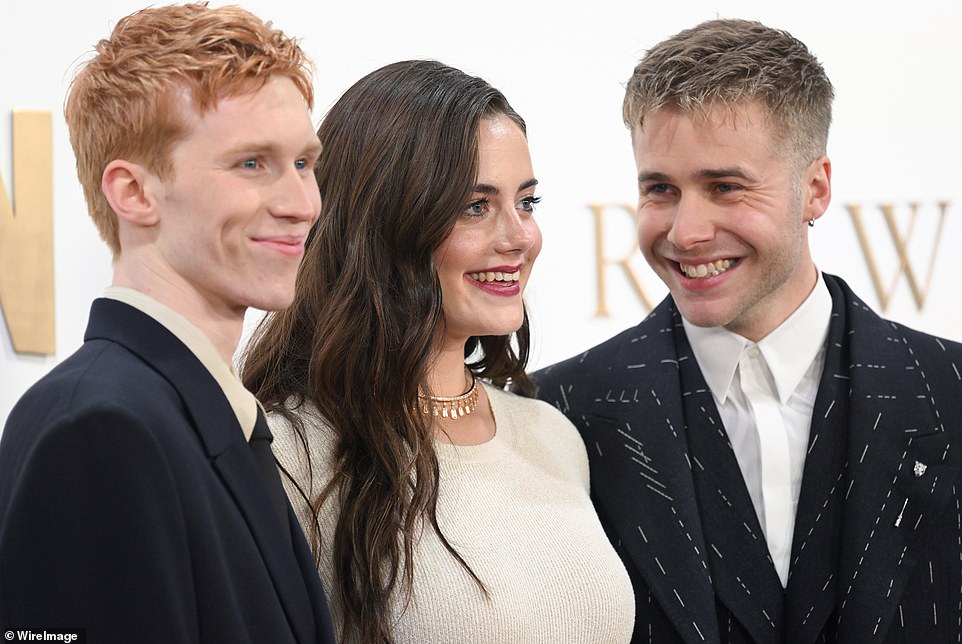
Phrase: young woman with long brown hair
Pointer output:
(440, 507)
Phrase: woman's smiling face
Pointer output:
(485, 262)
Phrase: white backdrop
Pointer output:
(896, 138)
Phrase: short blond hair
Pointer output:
(732, 62)
(123, 102)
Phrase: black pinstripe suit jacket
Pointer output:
(877, 550)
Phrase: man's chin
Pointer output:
(702, 316)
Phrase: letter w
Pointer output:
(26, 236)
(919, 291)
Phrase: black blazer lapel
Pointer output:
(640, 472)
(222, 438)
(241, 476)
(742, 571)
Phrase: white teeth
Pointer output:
(704, 270)
(496, 276)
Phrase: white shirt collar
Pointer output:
(789, 349)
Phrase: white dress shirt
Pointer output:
(775, 379)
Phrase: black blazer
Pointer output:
(131, 506)
(877, 549)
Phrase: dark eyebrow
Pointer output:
(710, 173)
(652, 176)
(721, 173)
(488, 189)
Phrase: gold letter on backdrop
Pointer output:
(603, 261)
(901, 243)
(26, 236)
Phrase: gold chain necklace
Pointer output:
(452, 407)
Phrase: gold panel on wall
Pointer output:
(26, 236)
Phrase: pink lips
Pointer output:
(289, 246)
(504, 289)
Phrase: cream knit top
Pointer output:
(517, 509)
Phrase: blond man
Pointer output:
(773, 460)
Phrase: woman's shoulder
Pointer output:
(540, 432)
(297, 413)
(301, 435)
(532, 408)
(533, 419)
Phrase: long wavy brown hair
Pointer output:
(399, 163)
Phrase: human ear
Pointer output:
(127, 188)
(817, 184)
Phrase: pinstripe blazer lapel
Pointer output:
(744, 576)
(812, 582)
(876, 554)
(891, 502)
(641, 477)
(876, 416)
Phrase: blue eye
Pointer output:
(301, 164)
(476, 208)
(528, 203)
(249, 163)
(653, 188)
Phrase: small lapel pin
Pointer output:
(898, 519)
(919, 469)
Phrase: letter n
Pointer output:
(26, 236)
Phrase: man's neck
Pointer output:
(222, 327)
